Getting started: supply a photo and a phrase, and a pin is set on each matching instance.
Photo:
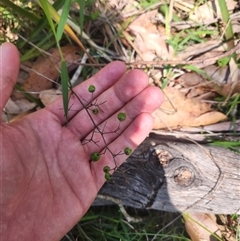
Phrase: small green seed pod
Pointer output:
(106, 169)
(95, 111)
(127, 151)
(122, 116)
(95, 156)
(107, 176)
(91, 88)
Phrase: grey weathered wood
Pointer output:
(176, 176)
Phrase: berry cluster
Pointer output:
(94, 107)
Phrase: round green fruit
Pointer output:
(95, 156)
(95, 111)
(106, 169)
(91, 88)
(122, 116)
(107, 176)
(127, 151)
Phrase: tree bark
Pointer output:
(176, 177)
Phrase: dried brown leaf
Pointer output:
(150, 39)
(48, 68)
(178, 111)
(48, 96)
(18, 106)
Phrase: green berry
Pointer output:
(107, 176)
(127, 151)
(95, 111)
(106, 169)
(91, 88)
(122, 116)
(95, 156)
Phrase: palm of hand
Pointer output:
(48, 181)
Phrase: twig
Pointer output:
(200, 63)
(79, 70)
(121, 207)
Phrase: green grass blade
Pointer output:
(42, 23)
(28, 95)
(233, 104)
(65, 80)
(231, 145)
(194, 68)
(19, 10)
(44, 44)
(45, 7)
(63, 19)
(58, 4)
(81, 13)
(165, 9)
(226, 18)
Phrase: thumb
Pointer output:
(9, 68)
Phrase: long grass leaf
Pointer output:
(65, 80)
(44, 44)
(63, 19)
(28, 95)
(194, 68)
(40, 26)
(54, 14)
(226, 18)
(81, 13)
(58, 4)
(47, 10)
(19, 10)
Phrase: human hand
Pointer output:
(47, 179)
